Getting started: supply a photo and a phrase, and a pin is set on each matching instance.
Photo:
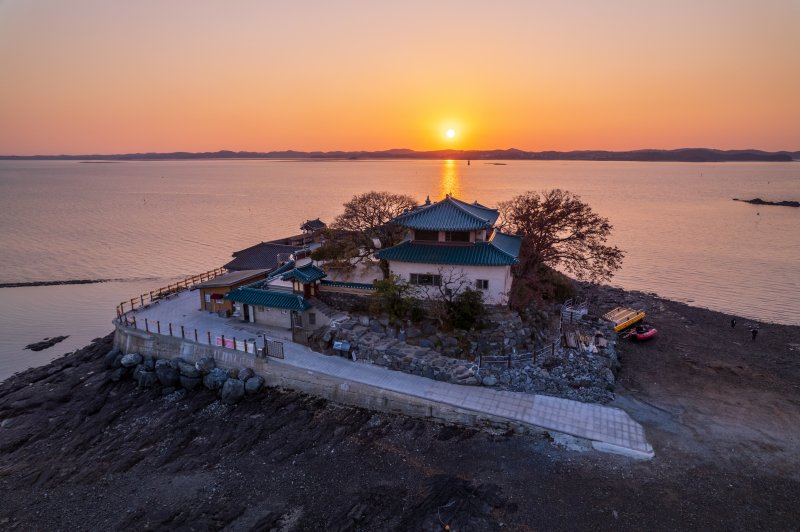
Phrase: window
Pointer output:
(432, 236)
(208, 297)
(456, 236)
(312, 319)
(425, 279)
(482, 284)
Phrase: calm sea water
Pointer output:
(146, 223)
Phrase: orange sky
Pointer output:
(115, 77)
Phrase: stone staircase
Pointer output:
(327, 310)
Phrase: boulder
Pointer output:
(205, 364)
(189, 370)
(232, 391)
(119, 374)
(190, 383)
(131, 360)
(111, 359)
(147, 379)
(162, 363)
(138, 369)
(149, 363)
(489, 380)
(215, 378)
(253, 384)
(412, 332)
(168, 377)
(424, 342)
(245, 373)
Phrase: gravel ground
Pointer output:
(80, 452)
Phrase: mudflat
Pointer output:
(722, 411)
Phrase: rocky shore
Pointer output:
(81, 450)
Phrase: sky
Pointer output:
(83, 77)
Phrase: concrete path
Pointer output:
(610, 429)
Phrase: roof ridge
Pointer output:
(456, 202)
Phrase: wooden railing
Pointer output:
(166, 291)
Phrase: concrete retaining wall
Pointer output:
(279, 374)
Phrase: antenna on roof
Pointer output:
(428, 200)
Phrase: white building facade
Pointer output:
(451, 245)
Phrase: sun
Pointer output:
(450, 133)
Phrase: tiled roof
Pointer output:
(313, 225)
(305, 274)
(450, 214)
(507, 243)
(263, 256)
(232, 278)
(268, 298)
(344, 284)
(477, 254)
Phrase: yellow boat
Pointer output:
(623, 317)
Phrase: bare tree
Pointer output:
(441, 293)
(364, 227)
(558, 229)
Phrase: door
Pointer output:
(246, 312)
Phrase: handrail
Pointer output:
(274, 348)
(170, 289)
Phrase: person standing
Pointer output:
(754, 332)
(733, 323)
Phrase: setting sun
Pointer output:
(450, 133)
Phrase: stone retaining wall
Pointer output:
(277, 373)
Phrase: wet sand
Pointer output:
(722, 412)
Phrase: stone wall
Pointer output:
(421, 349)
(344, 301)
(220, 365)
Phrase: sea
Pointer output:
(140, 225)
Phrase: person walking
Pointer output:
(733, 323)
(754, 332)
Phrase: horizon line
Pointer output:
(406, 151)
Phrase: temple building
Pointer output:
(453, 240)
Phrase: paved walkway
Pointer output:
(610, 429)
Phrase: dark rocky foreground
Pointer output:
(80, 451)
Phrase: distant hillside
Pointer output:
(695, 155)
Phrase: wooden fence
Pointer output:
(272, 348)
(166, 292)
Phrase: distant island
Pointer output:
(759, 201)
(694, 155)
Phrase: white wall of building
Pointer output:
(499, 277)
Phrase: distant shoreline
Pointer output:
(649, 155)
